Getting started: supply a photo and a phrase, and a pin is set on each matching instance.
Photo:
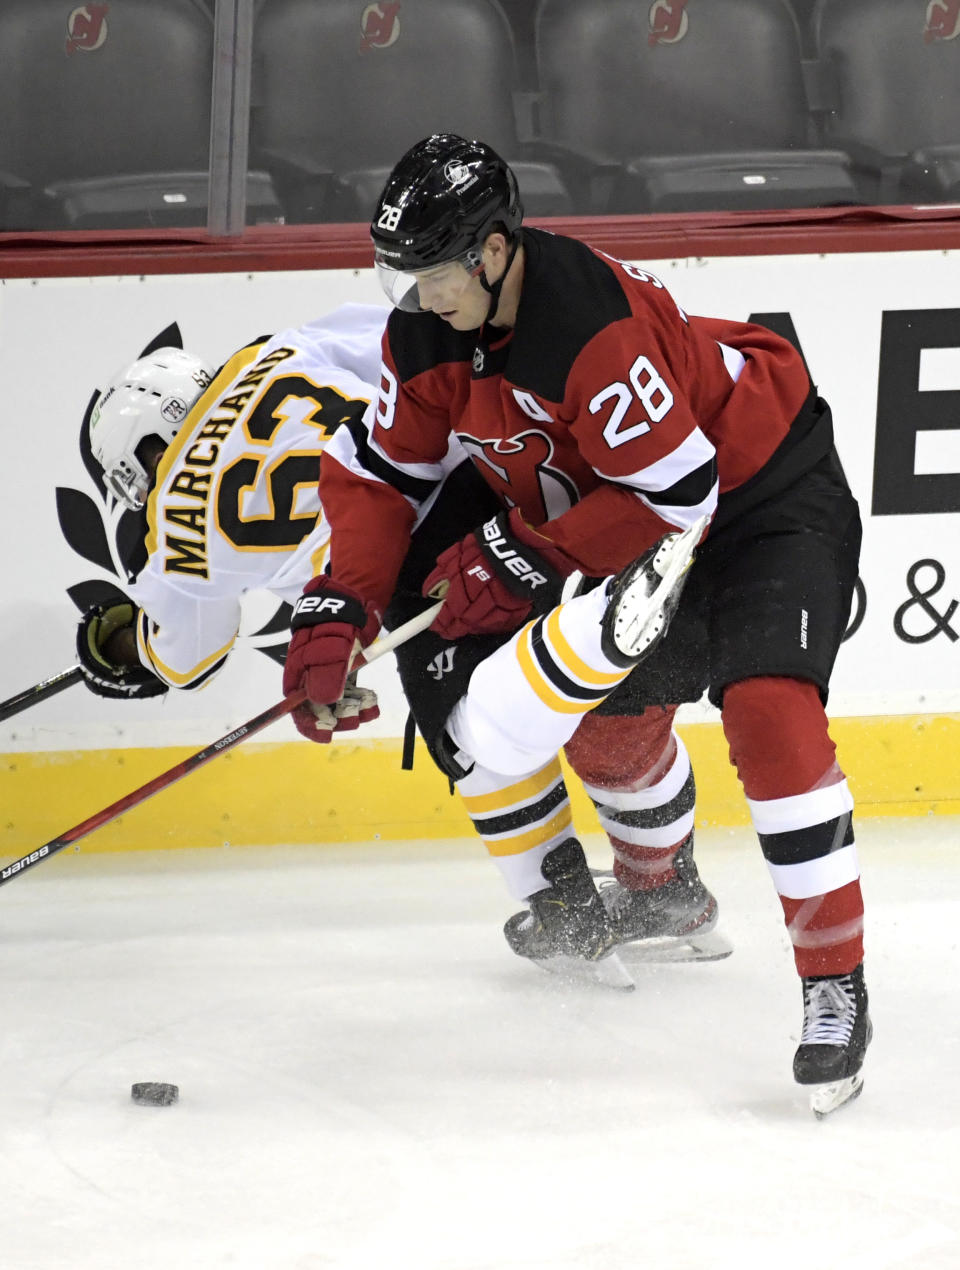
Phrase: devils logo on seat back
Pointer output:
(380, 26)
(668, 21)
(943, 20)
(87, 28)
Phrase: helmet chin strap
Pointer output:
(494, 289)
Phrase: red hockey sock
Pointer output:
(779, 741)
(826, 931)
(643, 868)
(617, 757)
(618, 751)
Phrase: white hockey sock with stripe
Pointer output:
(519, 820)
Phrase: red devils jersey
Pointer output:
(607, 415)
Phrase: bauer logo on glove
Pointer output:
(314, 609)
(497, 544)
(498, 575)
(331, 624)
(106, 647)
(316, 605)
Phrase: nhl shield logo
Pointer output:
(668, 22)
(379, 26)
(87, 28)
(943, 21)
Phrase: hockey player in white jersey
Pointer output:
(225, 464)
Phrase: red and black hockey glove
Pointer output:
(330, 621)
(498, 575)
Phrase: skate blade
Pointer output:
(632, 637)
(605, 972)
(825, 1099)
(681, 551)
(711, 945)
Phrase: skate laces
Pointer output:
(616, 898)
(619, 900)
(829, 1011)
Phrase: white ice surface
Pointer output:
(369, 1080)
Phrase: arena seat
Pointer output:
(342, 90)
(894, 69)
(682, 105)
(106, 111)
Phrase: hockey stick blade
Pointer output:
(377, 649)
(40, 692)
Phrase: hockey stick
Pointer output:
(39, 692)
(377, 649)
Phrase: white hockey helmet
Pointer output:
(152, 397)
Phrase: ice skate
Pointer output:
(673, 922)
(836, 1033)
(566, 929)
(643, 597)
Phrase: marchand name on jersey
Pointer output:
(186, 522)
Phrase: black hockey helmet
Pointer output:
(440, 202)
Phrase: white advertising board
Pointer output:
(880, 332)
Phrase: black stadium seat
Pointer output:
(106, 111)
(342, 89)
(894, 70)
(681, 105)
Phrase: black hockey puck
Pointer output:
(152, 1093)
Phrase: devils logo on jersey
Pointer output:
(943, 20)
(518, 470)
(668, 21)
(87, 28)
(380, 25)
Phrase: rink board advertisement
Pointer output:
(881, 335)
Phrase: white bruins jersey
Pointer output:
(235, 506)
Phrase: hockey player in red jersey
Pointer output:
(603, 417)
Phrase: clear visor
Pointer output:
(128, 485)
(433, 290)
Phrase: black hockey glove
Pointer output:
(102, 675)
